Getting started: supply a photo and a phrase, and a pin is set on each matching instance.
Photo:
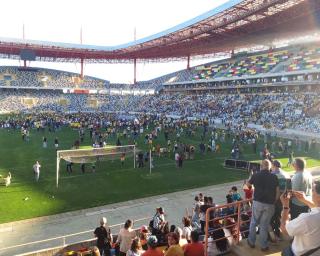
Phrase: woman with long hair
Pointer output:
(125, 237)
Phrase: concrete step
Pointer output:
(242, 249)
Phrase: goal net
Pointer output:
(92, 155)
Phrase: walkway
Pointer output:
(42, 228)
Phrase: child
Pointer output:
(235, 194)
(248, 191)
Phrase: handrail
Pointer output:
(66, 236)
(237, 206)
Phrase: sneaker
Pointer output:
(250, 245)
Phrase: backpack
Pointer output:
(151, 224)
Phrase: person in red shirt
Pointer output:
(248, 191)
(152, 247)
(195, 248)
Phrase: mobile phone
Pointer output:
(288, 185)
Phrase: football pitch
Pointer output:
(25, 198)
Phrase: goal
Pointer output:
(92, 155)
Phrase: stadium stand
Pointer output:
(256, 64)
(258, 101)
(36, 77)
(307, 59)
(283, 110)
(209, 71)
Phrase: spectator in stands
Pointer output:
(125, 237)
(266, 192)
(174, 248)
(203, 209)
(244, 225)
(218, 242)
(182, 240)
(104, 238)
(158, 221)
(282, 177)
(187, 228)
(248, 192)
(235, 194)
(152, 247)
(195, 248)
(195, 220)
(304, 229)
(136, 249)
(301, 181)
(144, 235)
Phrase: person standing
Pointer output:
(122, 159)
(282, 177)
(125, 237)
(266, 192)
(104, 238)
(69, 167)
(56, 143)
(301, 181)
(304, 229)
(176, 158)
(36, 170)
(44, 142)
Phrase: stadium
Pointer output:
(78, 148)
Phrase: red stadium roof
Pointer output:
(240, 23)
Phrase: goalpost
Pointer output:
(92, 155)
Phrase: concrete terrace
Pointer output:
(175, 206)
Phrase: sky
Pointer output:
(103, 22)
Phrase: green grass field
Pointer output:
(109, 184)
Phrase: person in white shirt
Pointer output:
(305, 229)
(36, 170)
(125, 237)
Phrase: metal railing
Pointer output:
(63, 238)
(219, 217)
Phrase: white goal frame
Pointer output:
(96, 153)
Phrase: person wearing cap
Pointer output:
(104, 237)
(282, 177)
(158, 221)
(152, 250)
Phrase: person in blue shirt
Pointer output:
(235, 194)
